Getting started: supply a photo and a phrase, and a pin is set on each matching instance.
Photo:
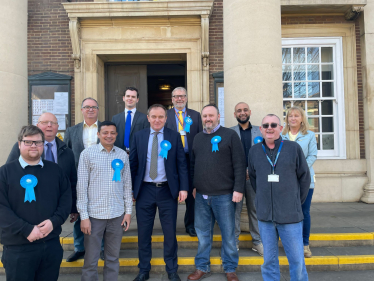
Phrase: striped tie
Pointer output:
(154, 156)
(180, 126)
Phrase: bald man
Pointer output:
(55, 150)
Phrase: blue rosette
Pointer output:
(165, 147)
(117, 166)
(188, 122)
(258, 139)
(215, 141)
(28, 182)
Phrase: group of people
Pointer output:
(158, 159)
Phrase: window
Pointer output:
(312, 75)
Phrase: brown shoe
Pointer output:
(232, 276)
(199, 275)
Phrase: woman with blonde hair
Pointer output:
(296, 129)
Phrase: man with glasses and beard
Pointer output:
(280, 177)
(247, 134)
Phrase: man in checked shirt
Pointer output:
(101, 202)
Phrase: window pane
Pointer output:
(298, 55)
(314, 124)
(326, 54)
(286, 55)
(300, 90)
(300, 104)
(286, 106)
(317, 139)
(327, 108)
(313, 55)
(287, 90)
(313, 90)
(327, 124)
(313, 72)
(286, 72)
(299, 72)
(327, 72)
(313, 107)
(327, 89)
(328, 142)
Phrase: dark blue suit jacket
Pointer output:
(175, 164)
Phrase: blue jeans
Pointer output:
(79, 237)
(291, 237)
(207, 211)
(306, 213)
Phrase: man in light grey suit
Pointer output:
(77, 138)
(247, 133)
(130, 120)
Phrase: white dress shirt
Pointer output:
(89, 134)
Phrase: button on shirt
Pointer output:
(132, 114)
(53, 148)
(246, 138)
(161, 173)
(98, 196)
(89, 134)
(176, 120)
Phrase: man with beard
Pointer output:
(247, 133)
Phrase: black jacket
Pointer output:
(281, 201)
(65, 159)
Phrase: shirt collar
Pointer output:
(132, 110)
(161, 131)
(24, 164)
(93, 125)
(52, 142)
(213, 131)
(183, 110)
(249, 127)
(101, 147)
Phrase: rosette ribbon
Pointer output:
(28, 182)
(165, 147)
(117, 166)
(188, 122)
(258, 139)
(215, 141)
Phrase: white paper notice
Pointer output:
(35, 119)
(61, 121)
(41, 106)
(61, 103)
(221, 105)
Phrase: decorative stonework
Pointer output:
(353, 13)
(74, 27)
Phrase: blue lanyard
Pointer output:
(276, 158)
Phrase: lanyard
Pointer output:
(180, 121)
(276, 158)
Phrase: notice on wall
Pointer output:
(61, 103)
(41, 106)
(221, 105)
(35, 119)
(61, 121)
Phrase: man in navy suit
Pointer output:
(157, 183)
(176, 121)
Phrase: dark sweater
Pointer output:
(221, 172)
(53, 201)
(281, 201)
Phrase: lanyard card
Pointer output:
(273, 178)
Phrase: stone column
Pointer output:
(13, 73)
(252, 61)
(367, 47)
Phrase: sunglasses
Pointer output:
(272, 125)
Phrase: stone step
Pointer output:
(324, 259)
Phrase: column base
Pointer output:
(368, 196)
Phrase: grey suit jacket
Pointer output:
(74, 140)
(255, 132)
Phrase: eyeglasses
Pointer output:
(46, 123)
(90, 107)
(179, 96)
(30, 143)
(272, 125)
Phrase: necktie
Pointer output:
(154, 156)
(128, 129)
(180, 126)
(49, 155)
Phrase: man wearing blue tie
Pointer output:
(159, 176)
(130, 121)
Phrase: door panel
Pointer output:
(120, 77)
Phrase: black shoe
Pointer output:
(142, 277)
(174, 276)
(75, 256)
(102, 255)
(191, 232)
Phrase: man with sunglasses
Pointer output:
(35, 200)
(280, 177)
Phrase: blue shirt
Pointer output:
(161, 173)
(24, 164)
(177, 121)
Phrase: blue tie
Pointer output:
(128, 129)
(49, 155)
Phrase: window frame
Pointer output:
(339, 151)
